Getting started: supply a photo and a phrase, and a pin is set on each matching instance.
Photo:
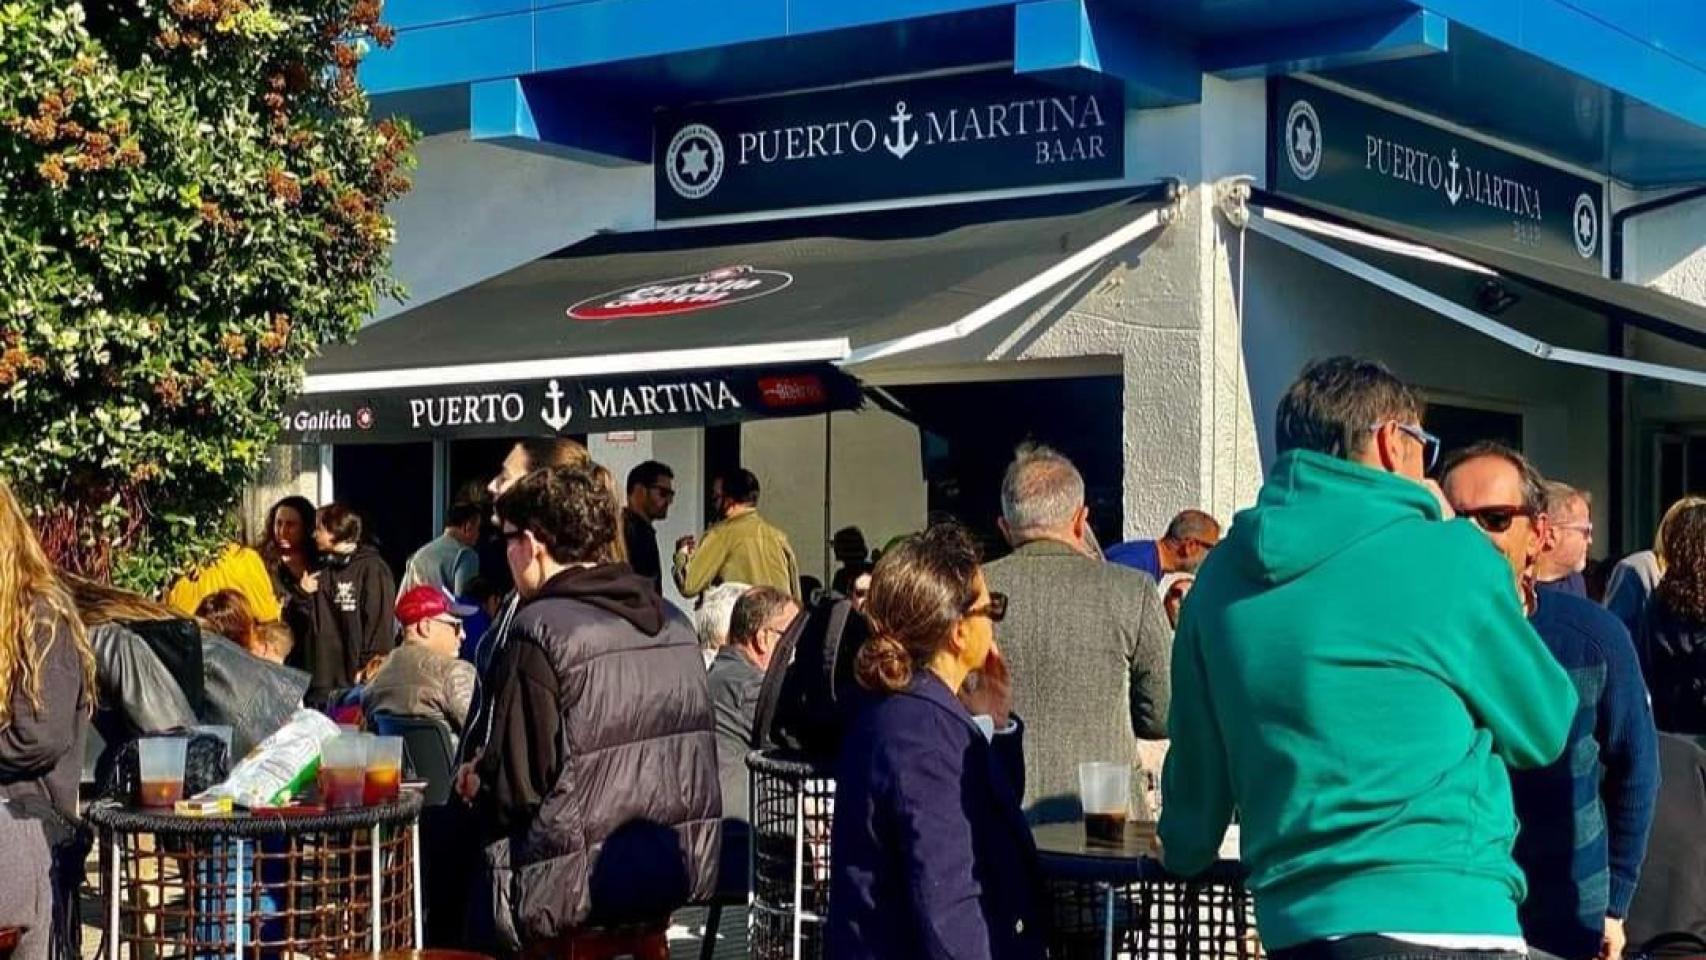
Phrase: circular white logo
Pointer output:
(1584, 226)
(694, 161)
(1303, 140)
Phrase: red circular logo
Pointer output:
(662, 298)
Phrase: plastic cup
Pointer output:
(161, 762)
(343, 770)
(1104, 790)
(384, 770)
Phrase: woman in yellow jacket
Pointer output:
(238, 568)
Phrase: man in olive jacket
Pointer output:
(1087, 641)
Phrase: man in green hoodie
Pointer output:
(1351, 676)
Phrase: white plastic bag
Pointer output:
(281, 767)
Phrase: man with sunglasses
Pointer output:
(1586, 817)
(424, 677)
(651, 490)
(1351, 676)
(1181, 550)
(1564, 551)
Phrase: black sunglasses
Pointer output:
(995, 609)
(1496, 519)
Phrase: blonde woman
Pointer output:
(1636, 576)
(47, 677)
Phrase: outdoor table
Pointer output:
(792, 807)
(1117, 901)
(319, 884)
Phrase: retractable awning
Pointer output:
(707, 325)
(1368, 249)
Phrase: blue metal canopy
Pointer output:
(1617, 86)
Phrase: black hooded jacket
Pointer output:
(352, 619)
(601, 768)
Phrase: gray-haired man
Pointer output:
(1087, 641)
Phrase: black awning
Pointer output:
(1641, 307)
(704, 294)
(707, 325)
(552, 406)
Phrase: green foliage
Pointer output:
(193, 202)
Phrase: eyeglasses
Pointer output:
(1430, 443)
(1496, 519)
(1584, 527)
(668, 493)
(995, 609)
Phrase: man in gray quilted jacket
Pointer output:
(1087, 641)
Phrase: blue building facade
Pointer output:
(1498, 199)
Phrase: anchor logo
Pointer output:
(1453, 190)
(901, 142)
(560, 413)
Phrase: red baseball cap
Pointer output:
(427, 603)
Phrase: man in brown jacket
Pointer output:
(1086, 641)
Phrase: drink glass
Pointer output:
(343, 770)
(161, 763)
(1104, 789)
(384, 770)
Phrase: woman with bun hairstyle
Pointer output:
(933, 857)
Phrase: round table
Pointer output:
(321, 884)
(1115, 900)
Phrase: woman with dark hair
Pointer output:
(287, 549)
(1673, 632)
(351, 601)
(933, 857)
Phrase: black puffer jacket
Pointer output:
(601, 769)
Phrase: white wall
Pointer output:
(683, 451)
(477, 210)
(1666, 249)
(877, 479)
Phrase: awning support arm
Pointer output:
(1023, 293)
(1460, 314)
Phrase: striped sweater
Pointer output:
(1585, 818)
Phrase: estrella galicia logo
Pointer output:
(694, 161)
(364, 418)
(660, 298)
(1584, 226)
(1303, 140)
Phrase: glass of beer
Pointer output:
(161, 763)
(343, 770)
(1104, 789)
(384, 771)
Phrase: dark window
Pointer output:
(1458, 427)
(971, 430)
(390, 485)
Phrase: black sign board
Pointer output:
(911, 138)
(565, 406)
(1329, 149)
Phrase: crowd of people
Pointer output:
(1433, 741)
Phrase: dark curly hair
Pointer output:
(569, 509)
(1683, 589)
(920, 590)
